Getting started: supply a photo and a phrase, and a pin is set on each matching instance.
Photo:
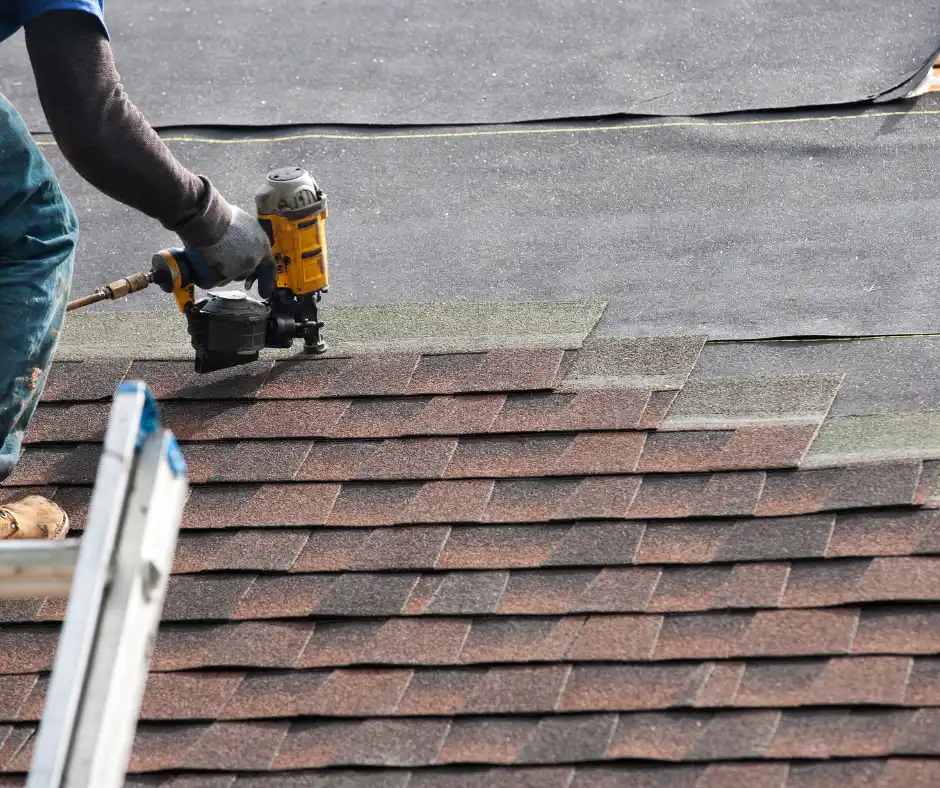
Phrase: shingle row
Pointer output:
(580, 544)
(441, 641)
(667, 496)
(473, 457)
(493, 546)
(385, 417)
(366, 375)
(871, 773)
(536, 689)
(640, 589)
(691, 736)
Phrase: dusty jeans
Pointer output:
(38, 232)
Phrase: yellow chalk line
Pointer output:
(431, 135)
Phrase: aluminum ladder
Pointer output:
(115, 578)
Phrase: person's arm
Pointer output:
(104, 136)
(110, 144)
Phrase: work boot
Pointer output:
(34, 517)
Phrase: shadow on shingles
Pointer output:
(301, 376)
(195, 420)
(227, 384)
(79, 465)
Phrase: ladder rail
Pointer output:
(107, 719)
(92, 572)
(115, 578)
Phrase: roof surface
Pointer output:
(511, 553)
(519, 567)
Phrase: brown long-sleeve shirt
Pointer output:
(106, 138)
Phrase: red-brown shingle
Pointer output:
(440, 571)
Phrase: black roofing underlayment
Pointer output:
(395, 62)
(744, 226)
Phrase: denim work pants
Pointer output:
(38, 233)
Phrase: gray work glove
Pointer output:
(243, 252)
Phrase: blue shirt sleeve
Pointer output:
(30, 9)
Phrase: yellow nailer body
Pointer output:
(292, 210)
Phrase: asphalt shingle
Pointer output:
(516, 568)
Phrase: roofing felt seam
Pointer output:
(598, 127)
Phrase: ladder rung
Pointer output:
(37, 569)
